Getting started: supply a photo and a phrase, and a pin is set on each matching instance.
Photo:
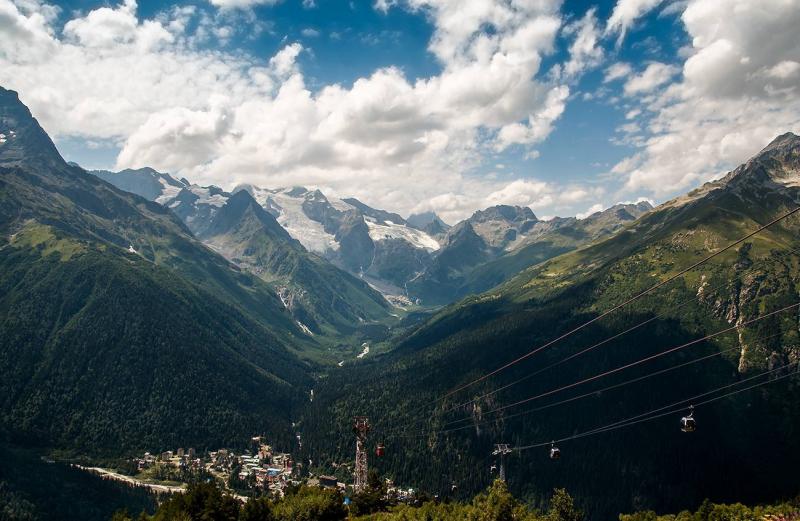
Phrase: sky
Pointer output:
(414, 105)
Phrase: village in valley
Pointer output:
(258, 471)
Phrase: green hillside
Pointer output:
(118, 328)
(652, 465)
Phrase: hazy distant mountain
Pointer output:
(429, 223)
(146, 182)
(495, 244)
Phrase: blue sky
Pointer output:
(410, 105)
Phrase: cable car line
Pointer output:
(643, 360)
(598, 344)
(578, 397)
(590, 348)
(628, 382)
(682, 403)
(667, 413)
(633, 421)
(617, 307)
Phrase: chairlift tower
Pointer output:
(361, 429)
(502, 450)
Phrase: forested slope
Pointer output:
(119, 329)
(649, 465)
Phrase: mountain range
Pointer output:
(745, 447)
(140, 312)
(421, 260)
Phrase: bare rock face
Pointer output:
(501, 226)
(318, 208)
(357, 247)
(429, 223)
(22, 140)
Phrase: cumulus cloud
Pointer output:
(241, 4)
(625, 14)
(538, 195)
(585, 52)
(653, 76)
(598, 207)
(227, 118)
(617, 71)
(739, 89)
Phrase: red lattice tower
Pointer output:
(361, 429)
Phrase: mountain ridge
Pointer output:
(482, 332)
(381, 247)
(111, 309)
(322, 298)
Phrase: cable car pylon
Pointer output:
(502, 450)
(361, 428)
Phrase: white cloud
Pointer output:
(309, 32)
(655, 75)
(241, 4)
(226, 118)
(384, 5)
(590, 211)
(785, 70)
(625, 13)
(538, 195)
(674, 7)
(284, 63)
(585, 51)
(633, 113)
(521, 193)
(617, 71)
(738, 91)
(105, 27)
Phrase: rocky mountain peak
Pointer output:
(428, 222)
(783, 156)
(504, 212)
(422, 219)
(778, 162)
(626, 211)
(296, 191)
(784, 142)
(503, 225)
(379, 215)
(240, 207)
(21, 137)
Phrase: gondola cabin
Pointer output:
(555, 452)
(688, 423)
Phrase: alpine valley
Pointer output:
(140, 311)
